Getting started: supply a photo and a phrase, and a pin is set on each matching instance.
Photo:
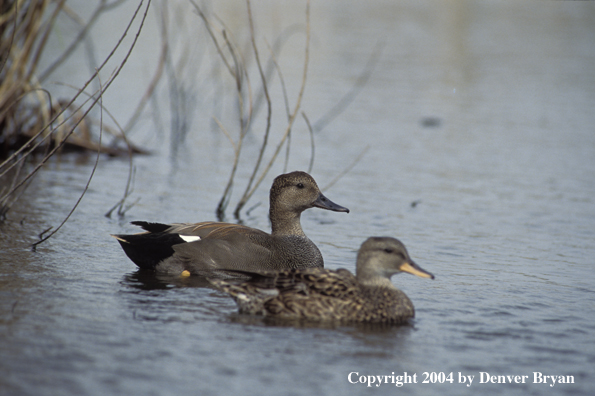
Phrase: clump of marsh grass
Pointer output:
(252, 95)
(34, 126)
(235, 64)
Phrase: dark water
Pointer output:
(480, 113)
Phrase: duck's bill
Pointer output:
(325, 203)
(415, 269)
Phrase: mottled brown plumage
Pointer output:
(212, 248)
(320, 294)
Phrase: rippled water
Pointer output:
(479, 121)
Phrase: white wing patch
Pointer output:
(189, 238)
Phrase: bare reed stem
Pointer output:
(292, 117)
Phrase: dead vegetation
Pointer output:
(253, 97)
(34, 126)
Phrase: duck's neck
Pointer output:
(375, 281)
(286, 223)
(370, 275)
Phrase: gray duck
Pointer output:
(212, 248)
(327, 295)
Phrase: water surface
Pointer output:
(479, 121)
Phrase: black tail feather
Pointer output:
(151, 227)
(148, 250)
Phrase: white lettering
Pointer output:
(569, 379)
(539, 378)
(463, 378)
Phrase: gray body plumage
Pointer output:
(234, 247)
(322, 295)
(213, 248)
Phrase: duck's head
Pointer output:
(379, 258)
(297, 191)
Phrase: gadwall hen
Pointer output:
(322, 295)
(211, 248)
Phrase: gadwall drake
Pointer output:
(211, 248)
(320, 294)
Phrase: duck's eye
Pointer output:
(388, 250)
(300, 185)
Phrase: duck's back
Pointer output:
(242, 250)
(319, 294)
(346, 300)
(384, 305)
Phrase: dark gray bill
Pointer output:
(325, 203)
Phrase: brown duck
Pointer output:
(211, 248)
(320, 294)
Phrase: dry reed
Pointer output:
(34, 126)
(248, 103)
